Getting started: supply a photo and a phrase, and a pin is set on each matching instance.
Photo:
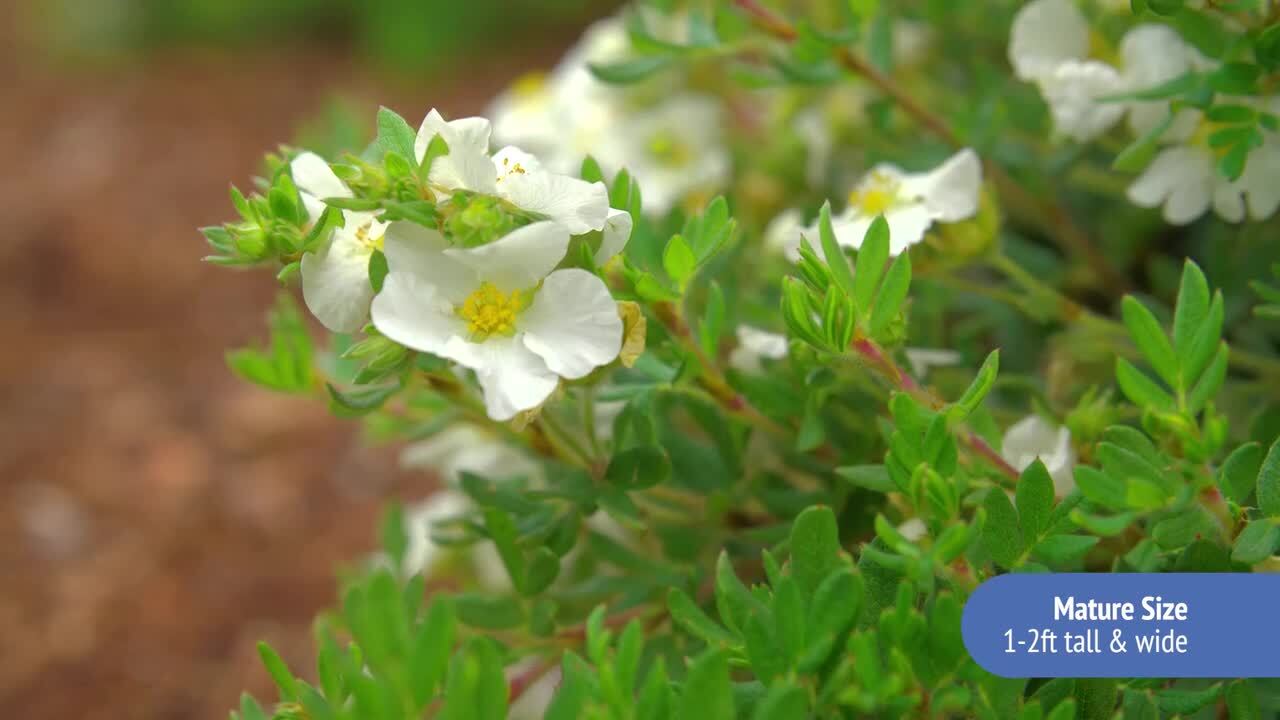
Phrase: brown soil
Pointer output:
(157, 516)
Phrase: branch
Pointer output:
(1051, 217)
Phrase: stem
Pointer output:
(711, 377)
(1048, 214)
(878, 360)
(525, 680)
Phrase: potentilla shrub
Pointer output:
(753, 336)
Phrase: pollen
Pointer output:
(670, 150)
(489, 311)
(364, 236)
(529, 84)
(876, 196)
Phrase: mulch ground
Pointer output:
(157, 516)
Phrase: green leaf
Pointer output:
(394, 135)
(678, 260)
(733, 600)
(1242, 700)
(688, 615)
(395, 538)
(892, 294)
(1257, 542)
(815, 547)
(436, 148)
(1139, 153)
(639, 467)
(279, 672)
(782, 702)
(250, 709)
(1150, 338)
(431, 648)
(1183, 529)
(489, 612)
(1139, 388)
(626, 72)
(1239, 472)
(835, 607)
(1235, 78)
(1000, 534)
(543, 567)
(1192, 307)
(706, 694)
(978, 389)
(1204, 343)
(1058, 550)
(875, 477)
(1266, 47)
(1210, 382)
(1035, 501)
(872, 256)
(351, 403)
(834, 254)
(1101, 488)
(1185, 702)
(1269, 482)
(1095, 698)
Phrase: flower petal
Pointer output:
(1259, 180)
(578, 205)
(520, 259)
(467, 166)
(573, 323)
(1033, 437)
(412, 312)
(951, 190)
(419, 251)
(513, 377)
(420, 519)
(1181, 179)
(907, 226)
(1072, 91)
(1045, 33)
(335, 282)
(783, 233)
(617, 231)
(316, 181)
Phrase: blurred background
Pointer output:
(157, 516)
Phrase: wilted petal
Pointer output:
(573, 323)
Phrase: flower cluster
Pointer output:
(496, 305)
(914, 343)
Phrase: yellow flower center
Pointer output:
(875, 196)
(529, 85)
(670, 150)
(489, 311)
(363, 235)
(1203, 130)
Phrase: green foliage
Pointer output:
(777, 497)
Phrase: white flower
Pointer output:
(911, 202)
(1044, 34)
(674, 149)
(335, 278)
(922, 359)
(466, 448)
(754, 345)
(422, 554)
(1185, 182)
(518, 178)
(1049, 44)
(500, 309)
(913, 529)
(1032, 437)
